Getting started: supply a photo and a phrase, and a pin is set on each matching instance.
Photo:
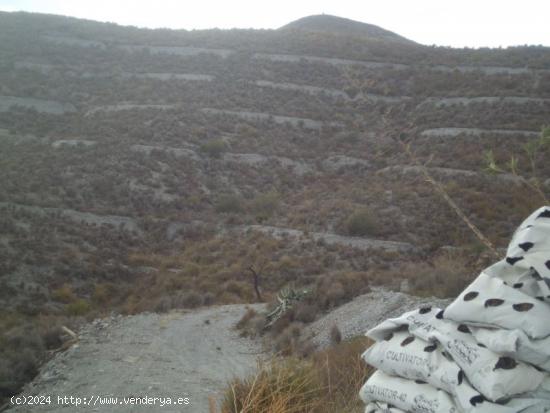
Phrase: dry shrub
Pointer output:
(51, 336)
(246, 318)
(288, 342)
(445, 276)
(245, 322)
(229, 204)
(64, 294)
(16, 369)
(283, 386)
(208, 298)
(264, 205)
(327, 382)
(25, 337)
(239, 288)
(305, 312)
(190, 299)
(21, 351)
(251, 324)
(337, 288)
(335, 335)
(284, 343)
(282, 323)
(103, 293)
(361, 223)
(343, 372)
(163, 305)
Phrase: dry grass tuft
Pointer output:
(328, 381)
(288, 386)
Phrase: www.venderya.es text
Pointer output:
(96, 400)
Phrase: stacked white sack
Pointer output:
(488, 351)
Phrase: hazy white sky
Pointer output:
(472, 23)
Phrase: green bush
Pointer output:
(229, 204)
(79, 307)
(265, 205)
(360, 223)
(214, 149)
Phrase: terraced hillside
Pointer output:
(149, 169)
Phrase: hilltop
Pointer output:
(341, 26)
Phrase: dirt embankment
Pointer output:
(365, 312)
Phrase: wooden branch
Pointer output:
(68, 343)
(441, 191)
(256, 280)
(408, 128)
(69, 332)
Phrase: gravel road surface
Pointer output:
(178, 355)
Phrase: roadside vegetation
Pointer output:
(326, 382)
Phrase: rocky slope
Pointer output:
(365, 312)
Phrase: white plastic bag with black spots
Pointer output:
(493, 375)
(515, 292)
(406, 394)
(515, 343)
(497, 332)
(489, 302)
(378, 407)
(402, 354)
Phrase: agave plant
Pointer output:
(286, 298)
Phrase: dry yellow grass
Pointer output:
(329, 381)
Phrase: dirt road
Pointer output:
(178, 355)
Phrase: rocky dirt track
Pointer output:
(179, 354)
